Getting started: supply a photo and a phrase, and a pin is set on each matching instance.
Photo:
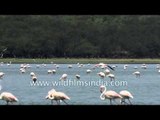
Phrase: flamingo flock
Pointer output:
(105, 72)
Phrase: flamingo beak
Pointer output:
(101, 90)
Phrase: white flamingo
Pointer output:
(70, 66)
(137, 73)
(49, 71)
(111, 76)
(88, 71)
(22, 70)
(1, 75)
(158, 66)
(102, 65)
(8, 97)
(34, 78)
(78, 76)
(53, 71)
(125, 67)
(64, 77)
(110, 94)
(32, 74)
(57, 96)
(107, 71)
(144, 66)
(125, 95)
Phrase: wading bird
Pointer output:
(8, 97)
(137, 73)
(1, 75)
(110, 94)
(101, 74)
(125, 95)
(64, 77)
(78, 76)
(111, 76)
(57, 96)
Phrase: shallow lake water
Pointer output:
(85, 91)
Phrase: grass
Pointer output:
(80, 60)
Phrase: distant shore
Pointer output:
(80, 60)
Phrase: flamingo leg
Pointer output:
(57, 102)
(51, 102)
(130, 102)
(7, 102)
(65, 102)
(110, 101)
(123, 101)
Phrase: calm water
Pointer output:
(146, 89)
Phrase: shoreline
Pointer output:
(80, 60)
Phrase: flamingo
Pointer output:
(44, 65)
(22, 70)
(53, 71)
(137, 73)
(110, 94)
(57, 96)
(49, 71)
(125, 67)
(80, 65)
(107, 71)
(125, 95)
(101, 74)
(32, 74)
(64, 77)
(111, 76)
(57, 66)
(8, 64)
(88, 71)
(102, 65)
(78, 76)
(69, 66)
(8, 97)
(158, 66)
(1, 74)
(34, 78)
(143, 66)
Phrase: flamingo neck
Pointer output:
(102, 97)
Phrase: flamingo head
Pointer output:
(102, 88)
(49, 97)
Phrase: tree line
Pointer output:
(85, 36)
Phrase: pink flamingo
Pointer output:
(8, 97)
(104, 66)
(110, 94)
(57, 96)
(125, 95)
(101, 74)
(64, 77)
